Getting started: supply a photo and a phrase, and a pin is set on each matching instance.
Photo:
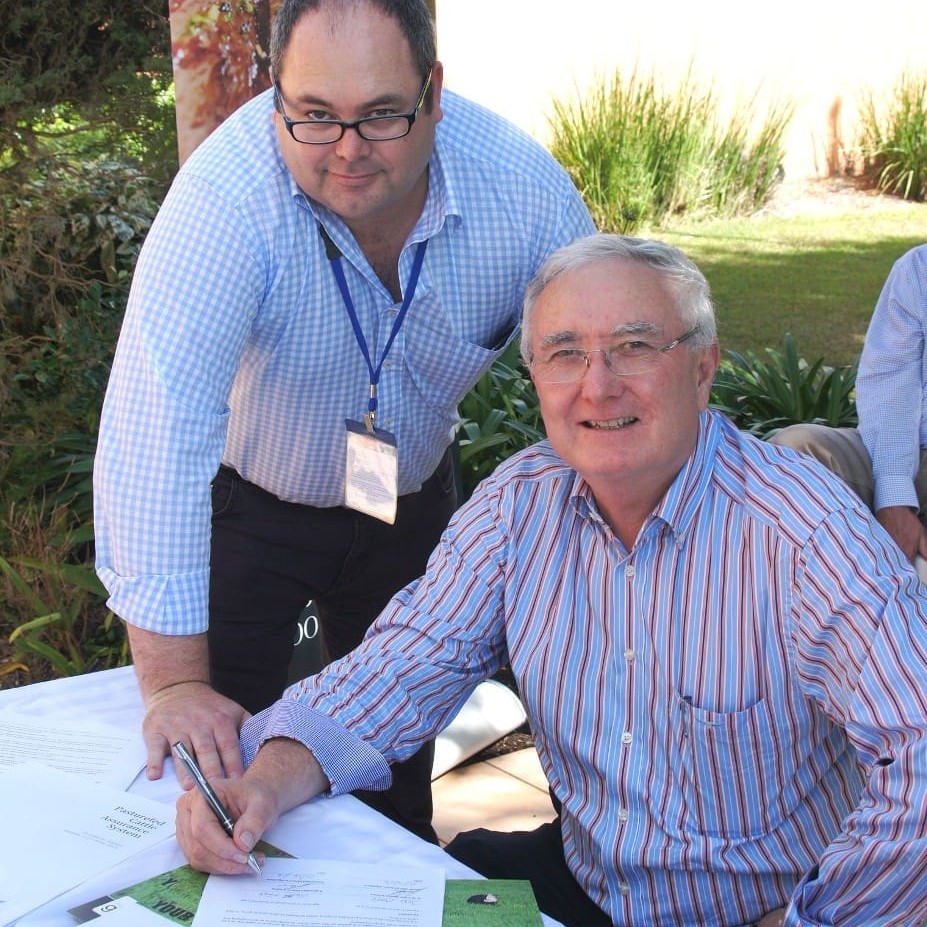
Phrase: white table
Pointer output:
(339, 828)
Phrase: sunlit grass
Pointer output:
(817, 277)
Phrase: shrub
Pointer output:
(762, 396)
(68, 226)
(61, 623)
(499, 416)
(639, 154)
(68, 244)
(893, 139)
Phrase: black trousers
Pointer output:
(270, 557)
(537, 856)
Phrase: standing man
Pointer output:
(885, 459)
(332, 270)
(721, 653)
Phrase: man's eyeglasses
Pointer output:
(370, 128)
(624, 359)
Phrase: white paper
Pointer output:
(102, 752)
(60, 829)
(325, 893)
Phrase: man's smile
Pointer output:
(611, 423)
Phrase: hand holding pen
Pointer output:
(207, 791)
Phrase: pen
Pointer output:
(206, 790)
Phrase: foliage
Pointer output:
(65, 270)
(894, 139)
(98, 56)
(70, 225)
(87, 149)
(762, 396)
(639, 154)
(500, 415)
(53, 390)
(61, 619)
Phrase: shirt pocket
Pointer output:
(443, 365)
(732, 771)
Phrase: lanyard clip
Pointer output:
(371, 412)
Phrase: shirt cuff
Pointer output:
(174, 604)
(348, 762)
(891, 491)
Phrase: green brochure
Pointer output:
(174, 895)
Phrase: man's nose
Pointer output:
(598, 379)
(352, 145)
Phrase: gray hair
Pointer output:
(693, 296)
(412, 16)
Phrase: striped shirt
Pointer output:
(891, 387)
(237, 346)
(733, 713)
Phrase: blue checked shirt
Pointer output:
(237, 347)
(733, 713)
(891, 388)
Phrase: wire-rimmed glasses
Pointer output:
(628, 358)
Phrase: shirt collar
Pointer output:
(679, 506)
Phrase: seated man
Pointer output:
(885, 461)
(721, 653)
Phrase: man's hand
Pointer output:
(905, 528)
(173, 674)
(284, 774)
(204, 720)
(252, 805)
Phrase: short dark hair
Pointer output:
(413, 17)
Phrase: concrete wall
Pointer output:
(515, 56)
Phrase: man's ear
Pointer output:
(706, 369)
(437, 85)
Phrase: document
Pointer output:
(325, 893)
(101, 752)
(61, 829)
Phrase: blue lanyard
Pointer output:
(333, 254)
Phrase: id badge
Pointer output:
(371, 474)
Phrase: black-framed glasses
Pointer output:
(370, 128)
(625, 359)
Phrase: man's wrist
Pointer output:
(164, 661)
(290, 771)
(172, 689)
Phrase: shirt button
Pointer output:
(624, 888)
(623, 815)
(629, 654)
(626, 737)
(629, 571)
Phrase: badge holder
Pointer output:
(371, 482)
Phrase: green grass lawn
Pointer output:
(817, 277)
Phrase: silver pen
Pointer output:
(206, 790)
